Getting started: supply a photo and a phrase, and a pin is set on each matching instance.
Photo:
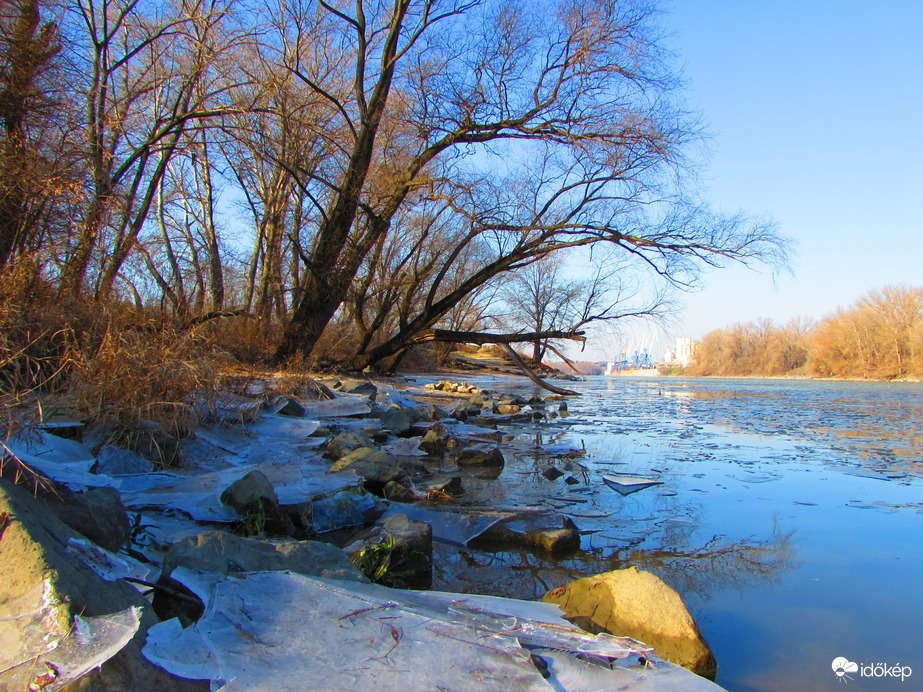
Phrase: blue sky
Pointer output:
(816, 113)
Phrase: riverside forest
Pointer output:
(226, 224)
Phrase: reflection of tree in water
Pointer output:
(718, 563)
(690, 569)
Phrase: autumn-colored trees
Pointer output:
(880, 337)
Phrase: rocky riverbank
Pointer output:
(300, 498)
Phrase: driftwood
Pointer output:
(528, 372)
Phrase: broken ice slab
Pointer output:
(405, 447)
(110, 566)
(626, 485)
(64, 461)
(33, 641)
(199, 495)
(326, 634)
(344, 405)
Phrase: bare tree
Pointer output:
(149, 80)
(27, 46)
(569, 107)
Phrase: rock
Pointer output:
(477, 401)
(441, 486)
(570, 480)
(434, 441)
(224, 553)
(115, 461)
(359, 387)
(552, 474)
(398, 419)
(398, 492)
(530, 531)
(480, 455)
(508, 409)
(291, 408)
(98, 514)
(411, 561)
(375, 467)
(33, 555)
(155, 444)
(634, 603)
(346, 442)
(255, 500)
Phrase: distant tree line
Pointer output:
(880, 338)
(350, 175)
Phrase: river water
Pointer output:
(789, 517)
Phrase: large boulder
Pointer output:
(44, 587)
(634, 603)
(255, 500)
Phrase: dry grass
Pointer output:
(109, 364)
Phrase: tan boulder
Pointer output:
(633, 603)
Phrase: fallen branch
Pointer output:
(527, 371)
(482, 338)
(566, 360)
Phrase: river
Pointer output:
(789, 517)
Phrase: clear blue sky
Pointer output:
(816, 114)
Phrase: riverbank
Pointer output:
(382, 470)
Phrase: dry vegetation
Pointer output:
(879, 338)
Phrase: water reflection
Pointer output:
(718, 563)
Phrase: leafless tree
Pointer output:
(545, 125)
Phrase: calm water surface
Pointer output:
(789, 519)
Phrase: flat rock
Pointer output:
(638, 604)
(224, 553)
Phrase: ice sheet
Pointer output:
(278, 630)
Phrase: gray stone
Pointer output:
(98, 514)
(374, 466)
(359, 387)
(634, 603)
(253, 495)
(291, 408)
(480, 455)
(398, 420)
(434, 441)
(531, 532)
(411, 562)
(552, 473)
(115, 461)
(441, 486)
(346, 442)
